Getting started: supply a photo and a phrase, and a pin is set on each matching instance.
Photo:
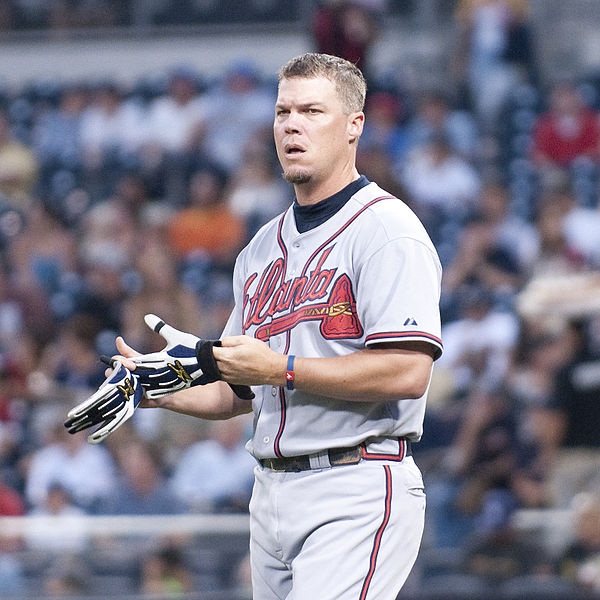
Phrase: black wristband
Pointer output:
(206, 360)
(210, 369)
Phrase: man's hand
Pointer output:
(111, 405)
(245, 359)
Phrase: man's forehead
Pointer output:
(304, 90)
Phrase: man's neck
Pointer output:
(307, 194)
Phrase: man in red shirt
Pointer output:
(568, 130)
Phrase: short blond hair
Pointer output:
(349, 81)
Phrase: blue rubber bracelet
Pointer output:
(289, 373)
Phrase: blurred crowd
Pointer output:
(116, 202)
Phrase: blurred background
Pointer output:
(136, 160)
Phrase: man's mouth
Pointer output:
(294, 150)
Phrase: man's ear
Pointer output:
(356, 122)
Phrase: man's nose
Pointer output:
(292, 124)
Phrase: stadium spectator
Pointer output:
(555, 256)
(141, 488)
(112, 132)
(575, 400)
(233, 111)
(174, 123)
(18, 166)
(56, 134)
(256, 192)
(435, 115)
(11, 503)
(568, 130)
(62, 516)
(496, 249)
(159, 290)
(383, 127)
(494, 53)
(216, 473)
(346, 28)
(479, 342)
(68, 460)
(207, 224)
(439, 181)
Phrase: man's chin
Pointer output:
(297, 177)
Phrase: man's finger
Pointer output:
(233, 340)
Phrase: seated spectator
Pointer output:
(18, 166)
(436, 116)
(581, 227)
(207, 224)
(56, 133)
(575, 402)
(345, 28)
(175, 118)
(11, 503)
(73, 360)
(173, 127)
(216, 473)
(63, 530)
(233, 111)
(112, 127)
(494, 52)
(439, 180)
(540, 352)
(41, 254)
(141, 488)
(478, 344)
(568, 130)
(159, 291)
(257, 193)
(69, 461)
(555, 256)
(496, 249)
(383, 127)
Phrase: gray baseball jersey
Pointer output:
(367, 274)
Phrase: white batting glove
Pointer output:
(185, 361)
(111, 405)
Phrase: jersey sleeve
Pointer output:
(398, 293)
(234, 325)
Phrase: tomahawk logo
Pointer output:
(278, 305)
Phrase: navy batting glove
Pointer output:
(112, 405)
(185, 361)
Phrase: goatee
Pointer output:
(296, 177)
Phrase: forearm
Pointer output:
(376, 375)
(214, 401)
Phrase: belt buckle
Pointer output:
(350, 456)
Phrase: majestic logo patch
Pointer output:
(278, 305)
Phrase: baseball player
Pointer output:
(336, 327)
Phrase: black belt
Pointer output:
(337, 457)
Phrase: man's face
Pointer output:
(313, 135)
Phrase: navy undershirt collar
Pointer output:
(311, 216)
